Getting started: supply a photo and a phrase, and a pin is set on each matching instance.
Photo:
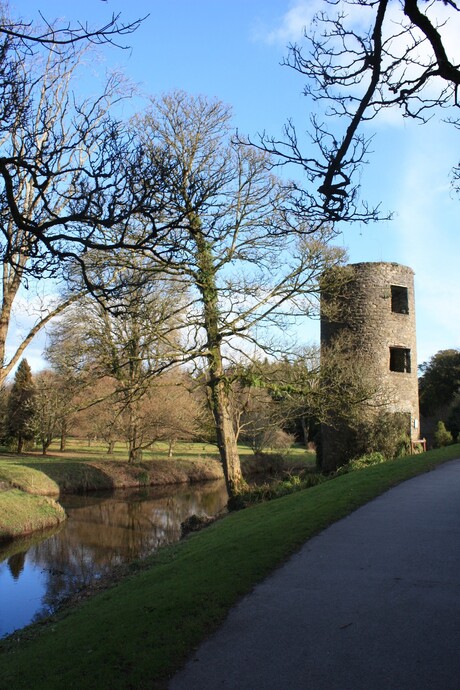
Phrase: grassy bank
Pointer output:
(22, 513)
(78, 475)
(138, 632)
(28, 482)
(26, 505)
(84, 468)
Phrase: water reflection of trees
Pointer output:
(16, 564)
(102, 533)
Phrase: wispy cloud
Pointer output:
(291, 25)
(300, 13)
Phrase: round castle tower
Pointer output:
(377, 306)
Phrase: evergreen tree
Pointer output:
(21, 406)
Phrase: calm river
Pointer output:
(102, 531)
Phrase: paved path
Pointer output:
(372, 603)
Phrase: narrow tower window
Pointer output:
(400, 359)
(399, 299)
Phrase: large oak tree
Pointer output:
(249, 263)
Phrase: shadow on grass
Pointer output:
(74, 477)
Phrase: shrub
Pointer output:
(442, 437)
(387, 434)
(362, 462)
(267, 492)
(267, 438)
(280, 440)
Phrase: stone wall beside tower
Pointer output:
(376, 306)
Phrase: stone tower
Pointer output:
(377, 307)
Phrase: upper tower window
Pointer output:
(399, 299)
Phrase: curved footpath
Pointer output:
(373, 602)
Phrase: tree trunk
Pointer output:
(305, 430)
(170, 447)
(226, 438)
(5, 314)
(11, 280)
(63, 442)
(135, 454)
(111, 447)
(20, 444)
(133, 443)
(217, 384)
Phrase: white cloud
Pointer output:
(291, 25)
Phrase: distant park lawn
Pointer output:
(136, 633)
(82, 450)
(160, 449)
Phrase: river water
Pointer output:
(37, 574)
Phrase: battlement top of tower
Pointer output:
(374, 264)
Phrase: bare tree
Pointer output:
(64, 161)
(237, 244)
(21, 41)
(49, 35)
(260, 421)
(42, 136)
(59, 186)
(63, 189)
(382, 55)
(130, 339)
(50, 402)
(168, 411)
(93, 414)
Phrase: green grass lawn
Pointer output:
(138, 632)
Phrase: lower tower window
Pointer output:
(400, 359)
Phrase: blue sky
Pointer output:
(232, 50)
